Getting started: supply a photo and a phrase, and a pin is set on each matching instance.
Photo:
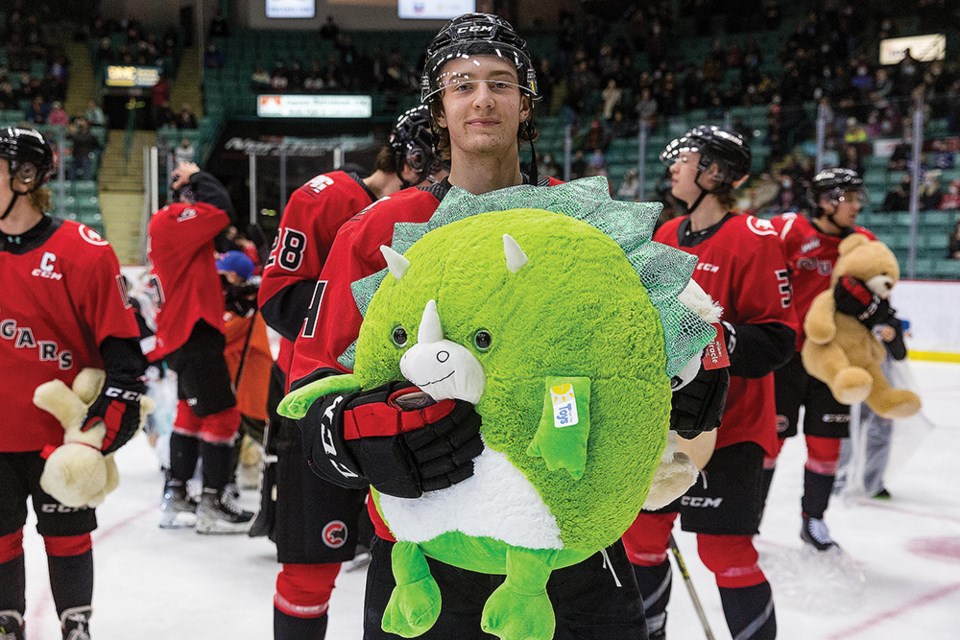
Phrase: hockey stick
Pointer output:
(682, 566)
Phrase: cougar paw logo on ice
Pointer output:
(564, 406)
(335, 534)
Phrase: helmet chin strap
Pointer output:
(534, 170)
(13, 201)
(703, 194)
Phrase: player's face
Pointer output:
(5, 192)
(683, 177)
(482, 104)
(844, 209)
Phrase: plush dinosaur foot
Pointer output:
(852, 385)
(413, 608)
(515, 616)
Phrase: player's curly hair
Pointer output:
(41, 199)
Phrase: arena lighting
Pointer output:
(922, 48)
(290, 8)
(314, 106)
(434, 9)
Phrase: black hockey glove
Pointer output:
(118, 408)
(392, 437)
(853, 298)
(698, 406)
(240, 299)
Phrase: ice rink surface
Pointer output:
(900, 579)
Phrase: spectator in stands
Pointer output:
(854, 132)
(58, 115)
(596, 163)
(8, 99)
(630, 187)
(900, 156)
(953, 243)
(330, 30)
(259, 79)
(547, 166)
(278, 78)
(86, 149)
(213, 58)
(159, 100)
(931, 192)
(850, 159)
(898, 198)
(219, 27)
(184, 152)
(943, 158)
(611, 98)
(951, 199)
(38, 111)
(186, 119)
(166, 118)
(647, 108)
(94, 115)
(595, 138)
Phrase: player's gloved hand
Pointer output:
(118, 408)
(698, 406)
(853, 298)
(392, 437)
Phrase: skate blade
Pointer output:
(178, 520)
(359, 562)
(219, 527)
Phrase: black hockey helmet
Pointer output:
(31, 157)
(833, 183)
(728, 150)
(413, 142)
(476, 34)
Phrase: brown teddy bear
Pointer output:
(77, 474)
(840, 350)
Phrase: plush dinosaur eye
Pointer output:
(482, 339)
(399, 336)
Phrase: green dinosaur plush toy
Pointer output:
(565, 336)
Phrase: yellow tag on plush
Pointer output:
(561, 437)
(564, 406)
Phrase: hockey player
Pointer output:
(812, 247)
(315, 524)
(480, 84)
(63, 307)
(741, 266)
(190, 337)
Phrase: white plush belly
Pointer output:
(497, 501)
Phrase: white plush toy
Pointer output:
(682, 459)
(77, 474)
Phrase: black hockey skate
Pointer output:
(815, 533)
(177, 509)
(75, 623)
(11, 625)
(219, 513)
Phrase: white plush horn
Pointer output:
(516, 258)
(397, 264)
(430, 329)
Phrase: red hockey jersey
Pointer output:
(310, 222)
(810, 255)
(58, 302)
(183, 271)
(741, 266)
